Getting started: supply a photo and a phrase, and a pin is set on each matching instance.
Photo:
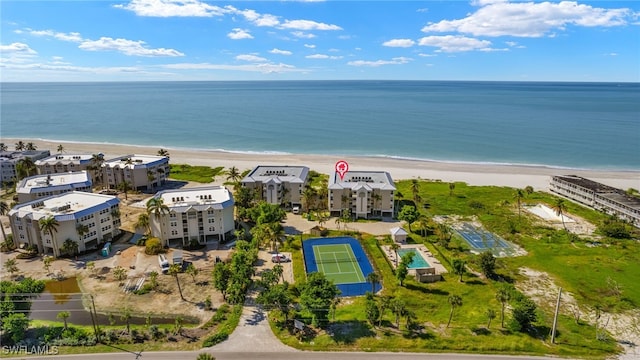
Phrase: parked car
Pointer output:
(164, 263)
(296, 210)
(279, 258)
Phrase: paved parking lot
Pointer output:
(297, 224)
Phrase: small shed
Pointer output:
(399, 235)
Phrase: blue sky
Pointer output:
(140, 40)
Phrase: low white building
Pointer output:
(86, 218)
(9, 160)
(142, 172)
(363, 193)
(64, 163)
(204, 214)
(39, 186)
(282, 185)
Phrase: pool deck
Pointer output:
(422, 250)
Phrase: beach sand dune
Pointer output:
(474, 174)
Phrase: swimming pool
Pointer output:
(418, 260)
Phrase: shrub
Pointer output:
(142, 241)
(215, 339)
(615, 229)
(153, 246)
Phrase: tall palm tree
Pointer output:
(415, 191)
(373, 278)
(376, 201)
(163, 152)
(423, 223)
(82, 230)
(125, 187)
(49, 225)
(143, 223)
(25, 167)
(96, 165)
(157, 208)
(459, 267)
(518, 196)
(61, 149)
(452, 186)
(455, 301)
(20, 146)
(4, 210)
(174, 270)
(233, 174)
(3, 147)
(560, 208)
(151, 177)
(395, 247)
(503, 296)
(30, 146)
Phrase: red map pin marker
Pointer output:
(341, 168)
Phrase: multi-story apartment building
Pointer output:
(363, 193)
(203, 214)
(86, 218)
(9, 159)
(598, 196)
(142, 172)
(39, 186)
(281, 185)
(64, 163)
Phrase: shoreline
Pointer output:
(517, 176)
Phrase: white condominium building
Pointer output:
(38, 186)
(281, 185)
(142, 172)
(86, 218)
(363, 193)
(598, 196)
(203, 214)
(9, 159)
(64, 163)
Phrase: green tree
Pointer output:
(488, 264)
(60, 149)
(233, 175)
(503, 295)
(4, 210)
(47, 260)
(398, 308)
(459, 267)
(371, 309)
(3, 147)
(174, 270)
(153, 279)
(452, 186)
(15, 326)
(221, 277)
(31, 146)
(395, 247)
(11, 266)
(119, 273)
(384, 303)
(25, 167)
(443, 232)
(415, 191)
(157, 208)
(518, 196)
(153, 246)
(49, 225)
(403, 268)
(82, 230)
(193, 271)
(64, 315)
(126, 317)
(125, 187)
(373, 278)
(491, 314)
(163, 152)
(144, 223)
(409, 214)
(528, 189)
(277, 296)
(455, 301)
(524, 314)
(96, 166)
(20, 146)
(316, 295)
(70, 247)
(560, 208)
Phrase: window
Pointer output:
(174, 232)
(212, 228)
(211, 221)
(173, 223)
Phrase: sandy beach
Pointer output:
(473, 174)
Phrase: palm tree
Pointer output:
(151, 177)
(423, 223)
(174, 270)
(455, 301)
(233, 175)
(491, 314)
(307, 199)
(373, 278)
(415, 191)
(11, 266)
(503, 296)
(96, 165)
(395, 247)
(3, 147)
(30, 146)
(143, 223)
(126, 317)
(459, 267)
(444, 234)
(452, 186)
(518, 196)
(64, 315)
(376, 201)
(49, 225)
(20, 146)
(125, 187)
(163, 152)
(25, 167)
(70, 247)
(61, 149)
(528, 189)
(82, 230)
(4, 210)
(157, 208)
(560, 208)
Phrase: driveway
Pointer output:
(297, 224)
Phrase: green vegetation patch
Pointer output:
(201, 174)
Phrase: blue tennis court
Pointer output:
(480, 239)
(342, 260)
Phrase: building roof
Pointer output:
(398, 231)
(14, 156)
(605, 191)
(137, 161)
(65, 159)
(291, 174)
(198, 198)
(53, 182)
(66, 206)
(368, 180)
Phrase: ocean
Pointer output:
(564, 125)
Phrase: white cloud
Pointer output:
(302, 35)
(310, 46)
(239, 34)
(426, 55)
(280, 52)
(127, 47)
(250, 58)
(530, 19)
(308, 25)
(514, 44)
(72, 36)
(394, 61)
(611, 54)
(404, 43)
(455, 43)
(16, 47)
(263, 68)
(422, 10)
(323, 56)
(170, 8)
(258, 19)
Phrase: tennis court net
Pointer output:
(337, 260)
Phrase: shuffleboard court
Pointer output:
(338, 263)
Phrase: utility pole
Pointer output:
(93, 318)
(555, 318)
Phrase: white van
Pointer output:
(296, 209)
(164, 263)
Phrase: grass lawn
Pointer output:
(201, 174)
